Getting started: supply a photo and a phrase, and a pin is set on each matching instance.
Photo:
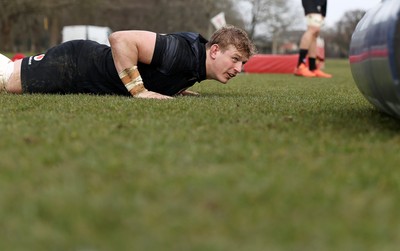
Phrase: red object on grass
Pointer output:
(18, 56)
(270, 63)
(265, 63)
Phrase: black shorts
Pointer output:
(79, 66)
(314, 6)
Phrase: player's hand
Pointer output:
(188, 93)
(151, 95)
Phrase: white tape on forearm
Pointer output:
(122, 74)
(132, 80)
(133, 83)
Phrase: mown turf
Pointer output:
(268, 162)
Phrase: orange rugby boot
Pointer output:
(320, 74)
(303, 71)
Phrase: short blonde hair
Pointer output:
(231, 35)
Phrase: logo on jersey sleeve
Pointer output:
(39, 57)
(36, 58)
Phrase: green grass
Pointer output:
(268, 162)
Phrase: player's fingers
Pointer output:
(152, 95)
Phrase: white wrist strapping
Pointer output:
(132, 80)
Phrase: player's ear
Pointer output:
(214, 49)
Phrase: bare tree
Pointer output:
(257, 14)
(36, 25)
(338, 39)
(49, 9)
(280, 17)
(31, 21)
(272, 18)
(10, 12)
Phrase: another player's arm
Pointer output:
(129, 48)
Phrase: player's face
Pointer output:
(228, 63)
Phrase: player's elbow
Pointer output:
(115, 38)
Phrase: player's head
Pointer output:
(227, 51)
(232, 36)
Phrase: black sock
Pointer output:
(302, 56)
(312, 65)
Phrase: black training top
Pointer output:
(83, 66)
(179, 62)
(315, 6)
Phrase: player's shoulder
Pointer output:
(191, 37)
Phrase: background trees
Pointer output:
(31, 25)
(270, 19)
(338, 38)
(35, 25)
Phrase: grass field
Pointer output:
(268, 162)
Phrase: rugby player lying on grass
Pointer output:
(141, 64)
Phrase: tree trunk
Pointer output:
(54, 29)
(6, 35)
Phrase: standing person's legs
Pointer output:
(308, 44)
(308, 47)
(315, 22)
(312, 51)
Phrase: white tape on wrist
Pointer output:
(132, 80)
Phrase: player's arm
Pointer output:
(129, 48)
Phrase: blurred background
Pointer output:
(275, 25)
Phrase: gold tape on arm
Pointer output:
(132, 80)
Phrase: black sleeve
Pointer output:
(323, 8)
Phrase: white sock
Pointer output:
(6, 69)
